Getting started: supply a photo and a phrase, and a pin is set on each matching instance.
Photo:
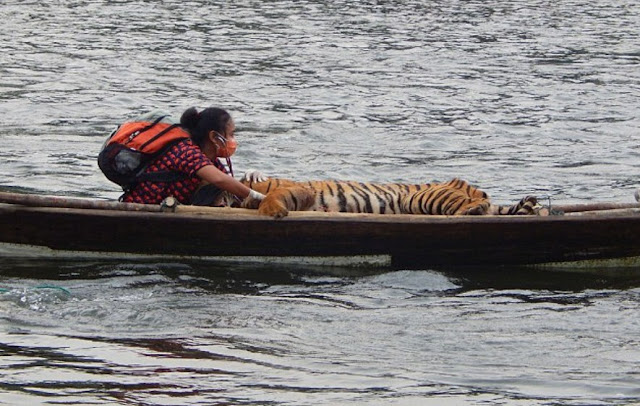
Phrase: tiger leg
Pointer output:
(281, 200)
(527, 206)
(455, 197)
(276, 205)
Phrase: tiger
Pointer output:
(455, 197)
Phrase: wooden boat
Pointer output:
(595, 234)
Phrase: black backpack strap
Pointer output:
(150, 126)
(160, 134)
(136, 133)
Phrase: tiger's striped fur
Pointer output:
(455, 197)
(284, 199)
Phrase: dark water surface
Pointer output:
(162, 333)
(518, 97)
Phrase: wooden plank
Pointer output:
(609, 212)
(72, 202)
(597, 206)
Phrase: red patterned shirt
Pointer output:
(185, 157)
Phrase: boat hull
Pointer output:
(410, 241)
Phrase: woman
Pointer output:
(203, 177)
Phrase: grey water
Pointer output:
(534, 97)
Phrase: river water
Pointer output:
(519, 97)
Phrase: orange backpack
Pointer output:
(133, 146)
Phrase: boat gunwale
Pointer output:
(235, 214)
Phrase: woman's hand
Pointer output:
(253, 200)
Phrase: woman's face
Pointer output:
(230, 129)
(226, 143)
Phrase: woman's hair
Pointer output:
(200, 124)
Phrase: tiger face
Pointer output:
(456, 197)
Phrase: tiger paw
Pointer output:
(273, 208)
(278, 203)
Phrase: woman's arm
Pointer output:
(215, 176)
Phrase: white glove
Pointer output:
(254, 176)
(253, 200)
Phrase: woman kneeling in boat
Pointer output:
(204, 177)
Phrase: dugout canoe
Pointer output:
(585, 234)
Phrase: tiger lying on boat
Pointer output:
(456, 197)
